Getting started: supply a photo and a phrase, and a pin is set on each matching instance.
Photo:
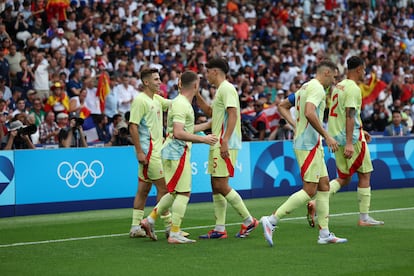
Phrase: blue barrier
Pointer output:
(63, 180)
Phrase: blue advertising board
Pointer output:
(75, 174)
(7, 178)
(59, 180)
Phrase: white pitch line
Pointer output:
(187, 228)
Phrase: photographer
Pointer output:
(18, 137)
(73, 136)
(120, 136)
(260, 122)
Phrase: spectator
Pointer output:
(49, 130)
(260, 122)
(58, 101)
(102, 129)
(396, 128)
(15, 138)
(126, 95)
(24, 77)
(74, 84)
(62, 120)
(12, 103)
(4, 67)
(30, 98)
(59, 42)
(38, 112)
(283, 132)
(21, 27)
(379, 117)
(287, 76)
(77, 104)
(20, 107)
(120, 136)
(409, 121)
(92, 100)
(3, 120)
(31, 123)
(111, 100)
(41, 75)
(72, 136)
(14, 58)
(4, 89)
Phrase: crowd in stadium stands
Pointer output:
(62, 60)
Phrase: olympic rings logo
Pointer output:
(80, 172)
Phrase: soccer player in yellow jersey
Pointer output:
(225, 114)
(310, 106)
(176, 158)
(345, 126)
(146, 123)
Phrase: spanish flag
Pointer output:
(103, 89)
(57, 9)
(371, 90)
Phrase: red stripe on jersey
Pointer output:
(174, 180)
(357, 163)
(309, 159)
(229, 165)
(145, 170)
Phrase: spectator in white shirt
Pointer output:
(91, 100)
(41, 76)
(126, 94)
(59, 43)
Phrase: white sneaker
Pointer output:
(137, 232)
(179, 239)
(149, 229)
(331, 239)
(268, 229)
(182, 233)
(370, 222)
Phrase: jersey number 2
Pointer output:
(334, 106)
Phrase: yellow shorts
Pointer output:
(152, 171)
(178, 174)
(312, 164)
(360, 161)
(219, 167)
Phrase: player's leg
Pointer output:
(178, 211)
(317, 172)
(304, 157)
(322, 208)
(155, 171)
(138, 210)
(364, 200)
(218, 177)
(343, 166)
(364, 188)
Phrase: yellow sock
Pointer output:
(166, 220)
(178, 211)
(364, 199)
(293, 202)
(220, 208)
(322, 209)
(137, 216)
(237, 203)
(334, 187)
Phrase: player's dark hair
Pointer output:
(354, 62)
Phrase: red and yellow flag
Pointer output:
(371, 90)
(103, 89)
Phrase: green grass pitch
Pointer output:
(97, 242)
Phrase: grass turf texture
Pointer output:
(97, 243)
